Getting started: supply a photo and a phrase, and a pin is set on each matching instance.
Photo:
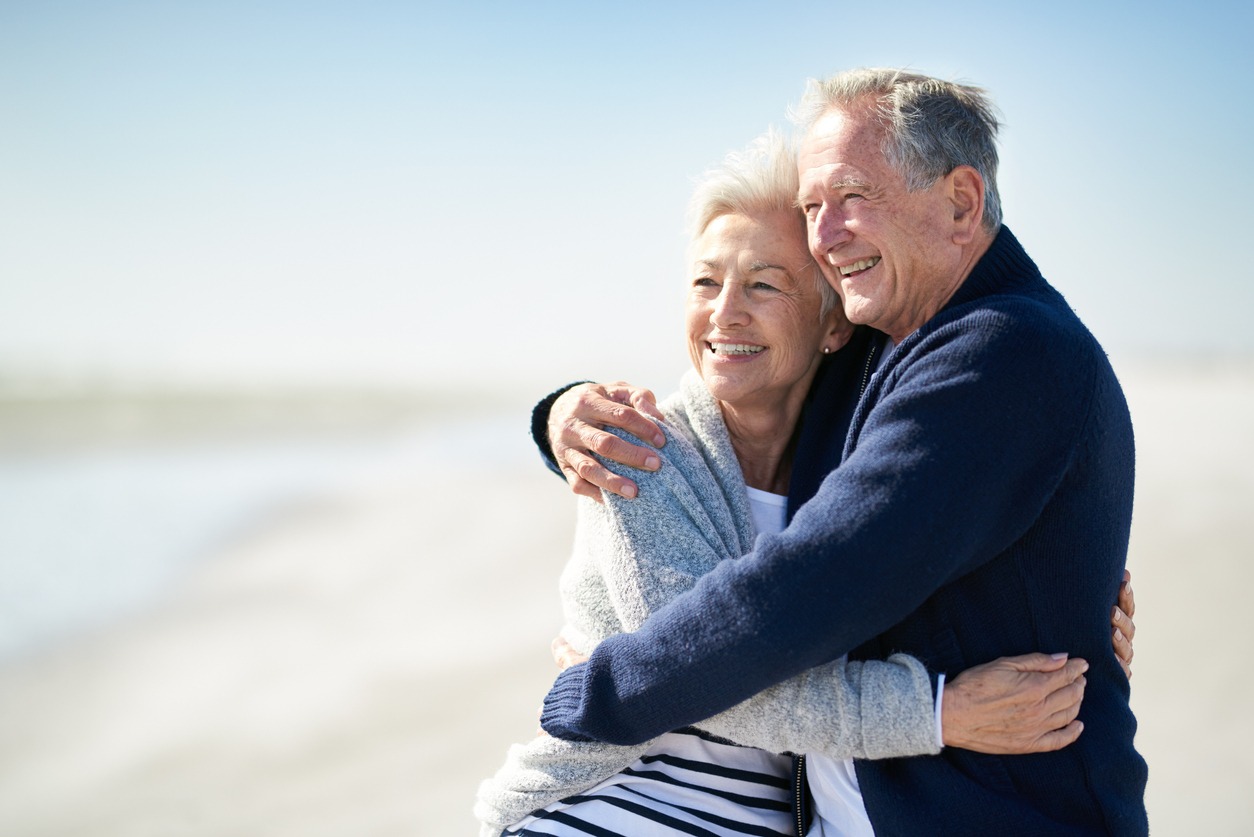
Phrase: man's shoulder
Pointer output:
(1015, 327)
(1005, 344)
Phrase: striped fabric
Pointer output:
(687, 783)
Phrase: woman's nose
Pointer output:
(730, 307)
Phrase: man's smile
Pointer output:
(850, 269)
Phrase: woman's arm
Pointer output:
(875, 709)
(541, 772)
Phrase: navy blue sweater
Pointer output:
(981, 508)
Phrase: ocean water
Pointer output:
(89, 535)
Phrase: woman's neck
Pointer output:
(763, 438)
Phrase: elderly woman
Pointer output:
(760, 319)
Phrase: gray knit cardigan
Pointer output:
(630, 558)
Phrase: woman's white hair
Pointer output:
(757, 181)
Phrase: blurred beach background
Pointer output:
(279, 284)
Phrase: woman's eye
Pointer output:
(704, 282)
(764, 286)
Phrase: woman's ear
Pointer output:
(837, 331)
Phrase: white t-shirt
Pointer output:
(838, 807)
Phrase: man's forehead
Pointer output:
(831, 174)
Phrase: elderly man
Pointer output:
(983, 497)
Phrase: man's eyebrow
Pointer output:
(846, 182)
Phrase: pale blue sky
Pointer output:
(368, 191)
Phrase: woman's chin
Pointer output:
(728, 389)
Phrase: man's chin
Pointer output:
(859, 310)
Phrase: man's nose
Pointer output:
(827, 230)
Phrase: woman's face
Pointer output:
(753, 324)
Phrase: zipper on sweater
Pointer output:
(866, 372)
(799, 786)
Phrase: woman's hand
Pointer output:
(565, 654)
(575, 433)
(1015, 705)
(1122, 628)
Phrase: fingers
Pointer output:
(1123, 646)
(587, 476)
(562, 652)
(1121, 621)
(582, 487)
(565, 654)
(1126, 601)
(611, 405)
(1057, 739)
(640, 398)
(1036, 662)
(1123, 630)
(619, 450)
(1063, 703)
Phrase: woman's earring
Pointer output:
(826, 350)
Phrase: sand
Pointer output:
(356, 665)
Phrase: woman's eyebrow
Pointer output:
(760, 265)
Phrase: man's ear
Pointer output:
(966, 195)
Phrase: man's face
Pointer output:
(888, 252)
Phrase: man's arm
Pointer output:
(934, 487)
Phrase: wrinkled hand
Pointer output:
(1015, 705)
(1122, 628)
(565, 654)
(575, 433)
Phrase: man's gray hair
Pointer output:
(931, 126)
(757, 181)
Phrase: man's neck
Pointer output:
(969, 256)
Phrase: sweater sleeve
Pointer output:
(967, 438)
(846, 710)
(543, 771)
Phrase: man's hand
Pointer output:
(1015, 705)
(575, 433)
(1122, 628)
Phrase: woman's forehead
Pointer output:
(776, 237)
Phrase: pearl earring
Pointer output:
(826, 350)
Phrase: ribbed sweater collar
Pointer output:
(1004, 266)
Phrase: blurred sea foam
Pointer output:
(108, 499)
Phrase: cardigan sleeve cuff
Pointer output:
(562, 705)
